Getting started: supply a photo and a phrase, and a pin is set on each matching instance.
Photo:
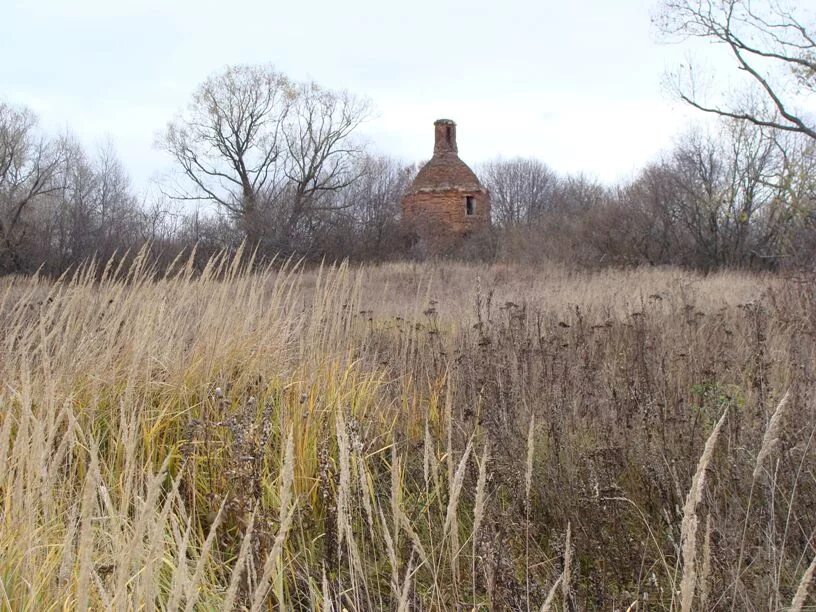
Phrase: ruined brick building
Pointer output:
(446, 204)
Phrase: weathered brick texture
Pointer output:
(435, 210)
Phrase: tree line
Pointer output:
(732, 195)
(279, 164)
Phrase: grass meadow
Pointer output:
(409, 436)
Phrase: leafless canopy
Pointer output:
(27, 165)
(770, 44)
(264, 149)
(521, 189)
(229, 139)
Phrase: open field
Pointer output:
(407, 437)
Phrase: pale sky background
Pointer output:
(575, 84)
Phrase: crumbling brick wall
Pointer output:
(440, 217)
(446, 203)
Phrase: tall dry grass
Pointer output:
(405, 436)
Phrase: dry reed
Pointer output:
(688, 530)
(303, 439)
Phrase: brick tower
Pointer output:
(446, 203)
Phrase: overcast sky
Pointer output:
(576, 84)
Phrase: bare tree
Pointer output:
(372, 204)
(730, 196)
(28, 163)
(229, 141)
(772, 46)
(322, 156)
(577, 193)
(265, 150)
(639, 221)
(89, 210)
(521, 189)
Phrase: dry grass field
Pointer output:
(407, 437)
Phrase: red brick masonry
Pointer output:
(435, 207)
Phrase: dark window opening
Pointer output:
(469, 205)
(448, 135)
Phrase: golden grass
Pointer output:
(402, 436)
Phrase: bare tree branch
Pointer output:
(768, 43)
